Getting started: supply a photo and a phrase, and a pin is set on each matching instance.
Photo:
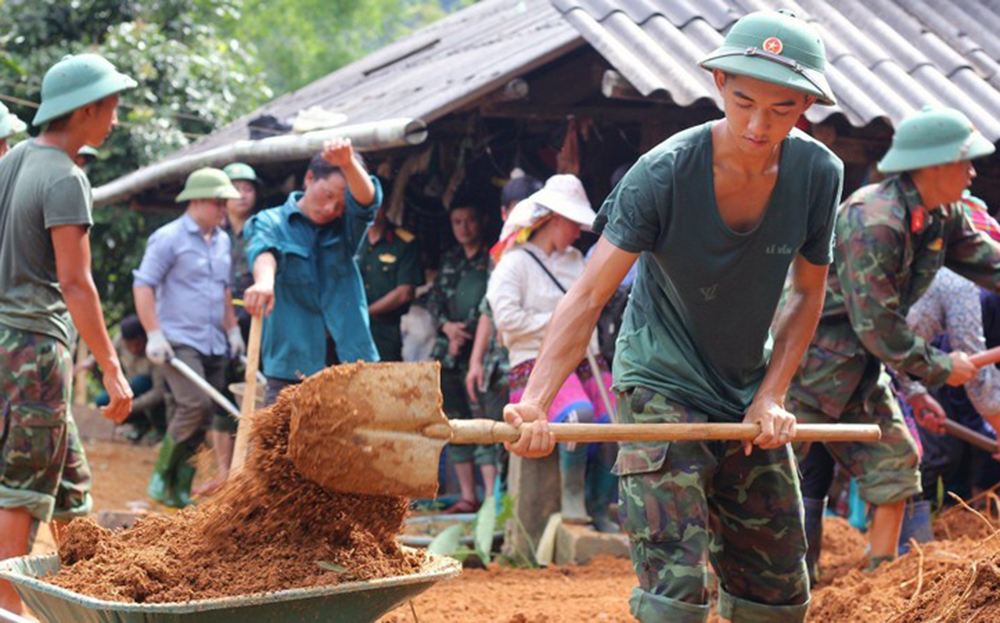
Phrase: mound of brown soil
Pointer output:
(843, 549)
(945, 580)
(267, 530)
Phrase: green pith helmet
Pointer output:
(241, 171)
(775, 47)
(76, 81)
(931, 137)
(10, 124)
(208, 183)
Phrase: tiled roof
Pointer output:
(888, 58)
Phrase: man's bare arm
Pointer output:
(793, 332)
(72, 250)
(565, 344)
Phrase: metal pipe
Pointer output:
(9, 617)
(364, 137)
(203, 385)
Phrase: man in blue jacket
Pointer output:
(304, 269)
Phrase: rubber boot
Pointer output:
(573, 473)
(183, 476)
(814, 535)
(162, 480)
(602, 486)
(916, 524)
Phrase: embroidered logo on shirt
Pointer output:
(709, 292)
(778, 249)
(936, 245)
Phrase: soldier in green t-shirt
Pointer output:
(47, 295)
(716, 216)
(390, 267)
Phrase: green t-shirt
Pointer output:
(40, 188)
(696, 328)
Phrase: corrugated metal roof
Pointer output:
(888, 58)
(430, 73)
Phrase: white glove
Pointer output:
(158, 348)
(237, 347)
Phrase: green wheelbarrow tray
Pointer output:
(348, 602)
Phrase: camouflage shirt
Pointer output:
(241, 277)
(456, 295)
(889, 247)
(495, 360)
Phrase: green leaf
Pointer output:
(486, 525)
(329, 566)
(446, 543)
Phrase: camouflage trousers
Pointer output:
(457, 406)
(685, 504)
(887, 470)
(43, 467)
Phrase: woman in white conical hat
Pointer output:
(535, 264)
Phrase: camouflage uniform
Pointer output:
(457, 295)
(745, 511)
(495, 369)
(889, 247)
(43, 467)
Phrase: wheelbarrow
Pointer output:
(349, 602)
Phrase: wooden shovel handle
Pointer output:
(986, 358)
(488, 431)
(968, 435)
(249, 393)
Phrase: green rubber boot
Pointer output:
(573, 473)
(814, 511)
(161, 481)
(183, 476)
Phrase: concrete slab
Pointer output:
(578, 544)
(533, 484)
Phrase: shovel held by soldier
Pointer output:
(378, 429)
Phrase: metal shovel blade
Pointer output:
(372, 429)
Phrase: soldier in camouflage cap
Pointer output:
(892, 238)
(716, 230)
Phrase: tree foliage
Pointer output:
(302, 40)
(193, 77)
(199, 64)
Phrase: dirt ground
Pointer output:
(951, 569)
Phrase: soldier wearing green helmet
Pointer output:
(891, 239)
(47, 297)
(10, 125)
(719, 214)
(182, 297)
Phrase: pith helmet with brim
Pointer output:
(776, 47)
(241, 171)
(208, 183)
(932, 137)
(10, 124)
(74, 82)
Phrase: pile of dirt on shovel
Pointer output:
(945, 580)
(266, 530)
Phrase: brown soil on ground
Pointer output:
(598, 591)
(945, 580)
(249, 538)
(843, 549)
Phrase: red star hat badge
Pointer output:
(774, 45)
